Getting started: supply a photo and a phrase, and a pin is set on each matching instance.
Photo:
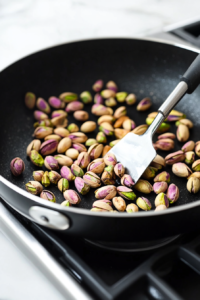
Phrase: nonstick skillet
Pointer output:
(144, 67)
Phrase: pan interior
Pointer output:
(146, 68)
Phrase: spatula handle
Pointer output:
(192, 75)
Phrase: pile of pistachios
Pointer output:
(86, 161)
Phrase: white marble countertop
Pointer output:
(27, 26)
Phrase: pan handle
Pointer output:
(192, 75)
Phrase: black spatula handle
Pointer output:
(192, 75)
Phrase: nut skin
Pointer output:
(42, 131)
(161, 199)
(101, 138)
(120, 111)
(108, 176)
(95, 151)
(79, 147)
(143, 186)
(111, 85)
(64, 145)
(129, 124)
(197, 149)
(88, 126)
(92, 179)
(175, 157)
(98, 99)
(78, 137)
(30, 100)
(86, 97)
(172, 193)
(96, 166)
(47, 195)
(72, 197)
(90, 142)
(45, 179)
(119, 203)
(175, 115)
(163, 176)
(139, 130)
(74, 106)
(17, 166)
(143, 203)
(36, 158)
(51, 163)
(76, 170)
(54, 177)
(63, 185)
(39, 115)
(63, 160)
(81, 186)
(83, 160)
(126, 180)
(43, 105)
(73, 128)
(126, 193)
(158, 162)
(119, 170)
(56, 102)
(193, 185)
(37, 175)
(181, 170)
(110, 159)
(144, 104)
(110, 102)
(97, 86)
(81, 115)
(160, 187)
(121, 96)
(163, 127)
(182, 133)
(167, 135)
(48, 147)
(68, 97)
(164, 144)
(186, 122)
(132, 208)
(189, 157)
(120, 133)
(160, 207)
(189, 146)
(131, 99)
(120, 121)
(106, 192)
(149, 173)
(66, 203)
(34, 187)
(196, 165)
(66, 173)
(107, 93)
(105, 150)
(103, 204)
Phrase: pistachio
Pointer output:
(76, 170)
(172, 193)
(193, 185)
(34, 145)
(63, 160)
(73, 128)
(153, 114)
(106, 192)
(121, 96)
(90, 142)
(167, 135)
(95, 151)
(149, 120)
(81, 186)
(161, 199)
(182, 133)
(189, 157)
(63, 185)
(186, 122)
(175, 157)
(72, 197)
(78, 137)
(43, 105)
(126, 193)
(109, 111)
(45, 123)
(88, 126)
(56, 102)
(48, 147)
(110, 159)
(37, 175)
(175, 115)
(119, 170)
(92, 179)
(62, 132)
(58, 113)
(101, 138)
(97, 86)
(195, 174)
(104, 204)
(197, 149)
(128, 124)
(64, 144)
(139, 130)
(160, 187)
(120, 133)
(34, 187)
(111, 85)
(45, 179)
(163, 127)
(72, 153)
(41, 132)
(131, 99)
(107, 119)
(143, 186)
(30, 100)
(163, 176)
(131, 208)
(120, 121)
(165, 144)
(39, 115)
(52, 137)
(81, 115)
(119, 203)
(113, 143)
(66, 203)
(79, 147)
(108, 176)
(66, 173)
(126, 180)
(144, 104)
(74, 106)
(120, 111)
(107, 93)
(83, 160)
(36, 158)
(158, 162)
(98, 99)
(47, 195)
(100, 110)
(68, 97)
(143, 203)
(86, 97)
(160, 207)
(54, 177)
(51, 163)
(96, 166)
(17, 166)
(60, 121)
(110, 102)
(181, 170)
(106, 128)
(105, 150)
(196, 165)
(149, 173)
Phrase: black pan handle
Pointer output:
(192, 75)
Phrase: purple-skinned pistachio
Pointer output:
(128, 124)
(196, 165)
(126, 193)
(131, 99)
(182, 133)
(51, 163)
(45, 179)
(186, 122)
(160, 207)
(181, 170)
(48, 147)
(76, 170)
(41, 132)
(165, 144)
(143, 203)
(119, 170)
(104, 204)
(163, 176)
(175, 157)
(34, 187)
(54, 177)
(92, 179)
(63, 185)
(95, 151)
(80, 147)
(189, 157)
(189, 146)
(78, 137)
(86, 97)
(34, 145)
(68, 97)
(73, 128)
(67, 173)
(126, 180)
(161, 199)
(63, 160)
(83, 160)
(97, 86)
(119, 203)
(43, 105)
(167, 135)
(163, 127)
(120, 112)
(98, 99)
(72, 197)
(106, 128)
(193, 185)
(160, 187)
(131, 208)
(37, 175)
(30, 100)
(47, 195)
(58, 113)
(99, 110)
(149, 173)
(144, 104)
(90, 142)
(108, 177)
(73, 106)
(110, 102)
(36, 158)
(143, 186)
(106, 192)
(111, 85)
(56, 102)
(66, 203)
(39, 115)
(110, 159)
(172, 193)
(121, 96)
(175, 115)
(81, 186)
(17, 166)
(96, 166)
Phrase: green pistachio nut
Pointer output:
(149, 173)
(66, 203)
(163, 176)
(196, 165)
(54, 177)
(163, 127)
(110, 102)
(131, 99)
(47, 195)
(126, 193)
(45, 179)
(189, 157)
(101, 138)
(92, 179)
(193, 185)
(63, 185)
(121, 96)
(90, 142)
(36, 158)
(161, 199)
(37, 175)
(86, 97)
(73, 128)
(143, 203)
(68, 97)
(30, 100)
(34, 187)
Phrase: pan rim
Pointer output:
(83, 211)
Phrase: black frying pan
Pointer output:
(147, 68)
